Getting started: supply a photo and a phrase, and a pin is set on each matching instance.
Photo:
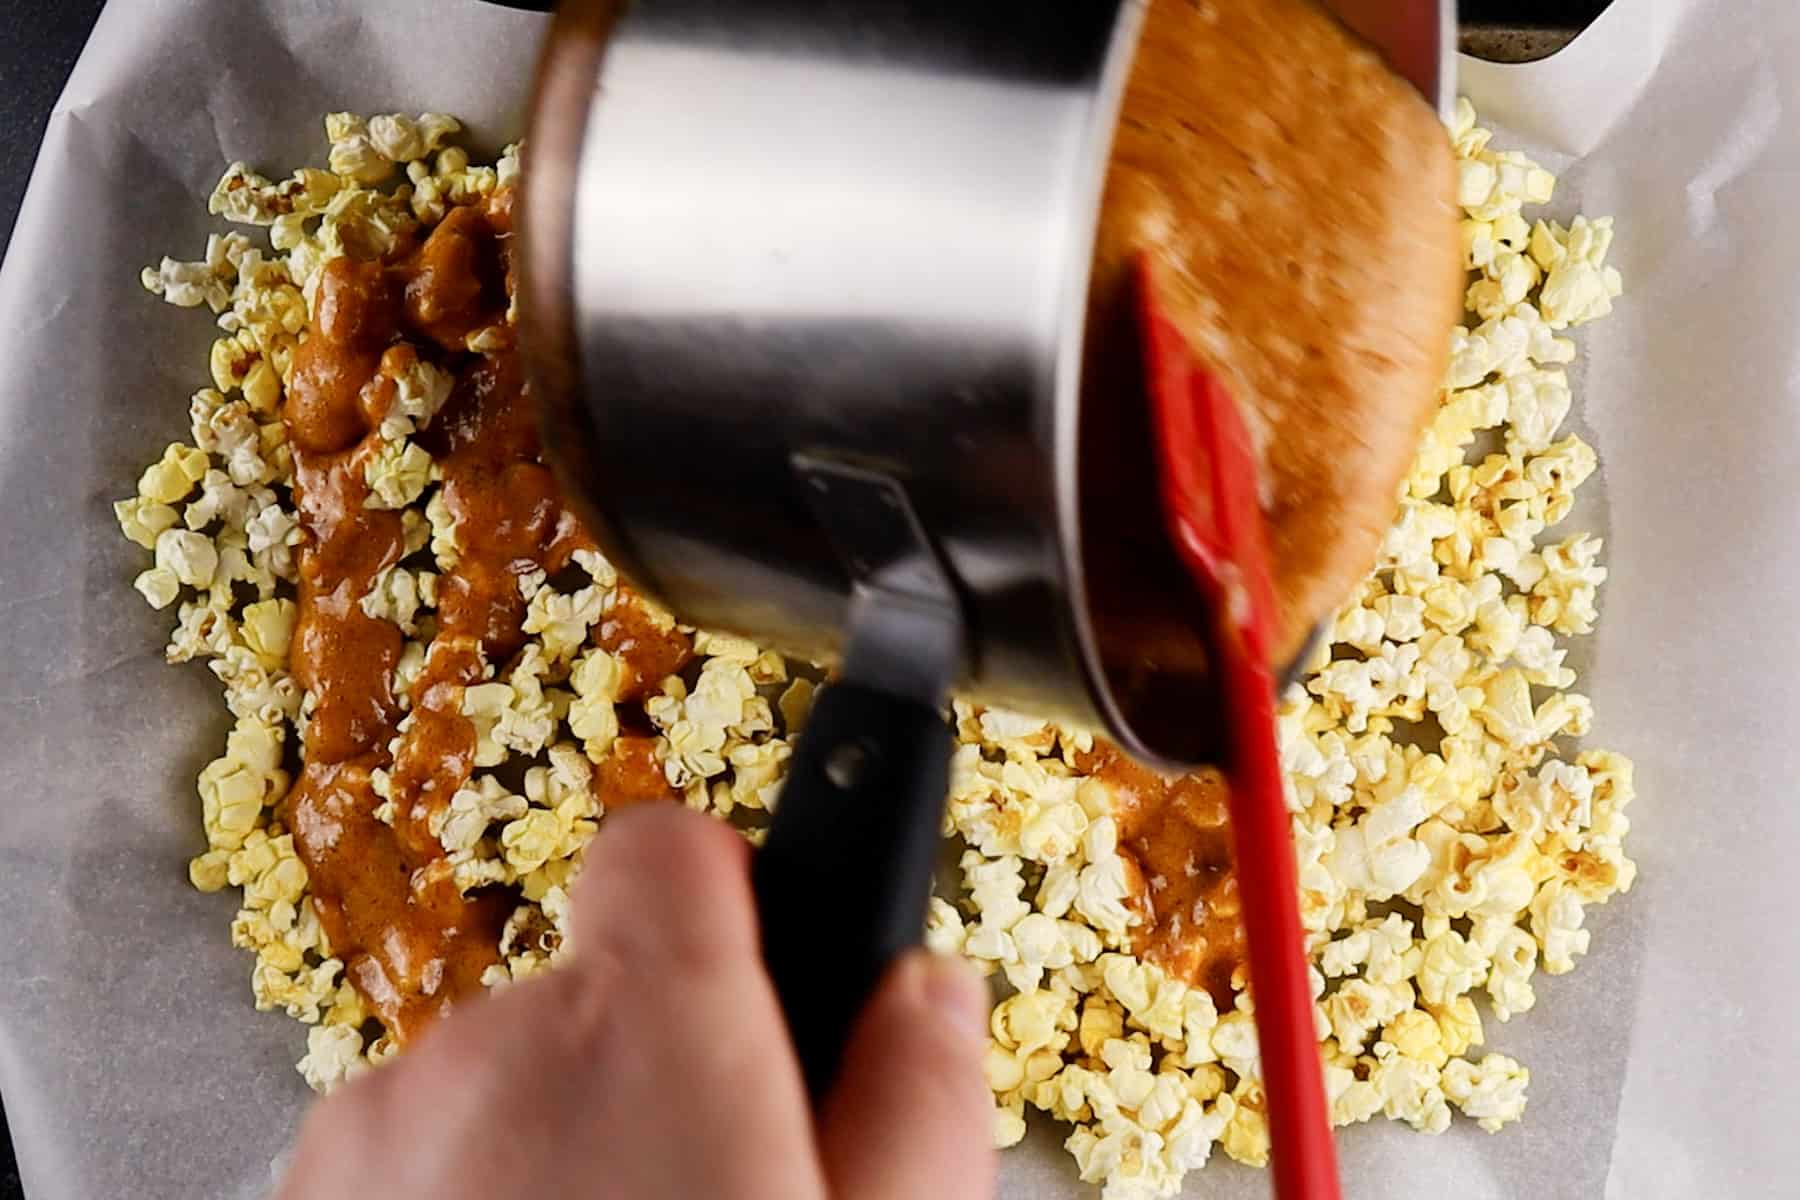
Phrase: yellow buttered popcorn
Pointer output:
(397, 474)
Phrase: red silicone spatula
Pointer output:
(1209, 497)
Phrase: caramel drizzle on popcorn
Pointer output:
(1174, 836)
(385, 890)
(410, 941)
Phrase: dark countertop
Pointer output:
(37, 50)
(40, 47)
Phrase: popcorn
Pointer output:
(253, 691)
(507, 168)
(268, 629)
(354, 155)
(445, 548)
(1557, 915)
(357, 221)
(247, 198)
(397, 474)
(1246, 1134)
(1513, 961)
(1579, 287)
(1564, 599)
(208, 872)
(415, 532)
(402, 139)
(262, 389)
(1447, 845)
(485, 705)
(420, 389)
(142, 520)
(756, 775)
(271, 533)
(1449, 968)
(1101, 891)
(334, 1053)
(190, 557)
(530, 840)
(1411, 1091)
(484, 802)
(228, 430)
(238, 786)
(220, 500)
(400, 595)
(561, 622)
(705, 726)
(1491, 1091)
(170, 479)
(159, 586)
(1362, 1006)
(596, 678)
(598, 569)
(528, 722)
(191, 284)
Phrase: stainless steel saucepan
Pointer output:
(804, 290)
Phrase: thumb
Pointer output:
(911, 1116)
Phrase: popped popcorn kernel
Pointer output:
(1491, 1091)
(334, 1053)
(397, 475)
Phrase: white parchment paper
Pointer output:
(131, 1061)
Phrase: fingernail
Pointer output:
(955, 994)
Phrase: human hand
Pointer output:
(654, 1062)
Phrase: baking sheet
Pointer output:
(131, 1060)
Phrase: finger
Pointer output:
(911, 1116)
(663, 930)
(499, 1060)
(665, 997)
(659, 1023)
(665, 887)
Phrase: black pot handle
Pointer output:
(842, 882)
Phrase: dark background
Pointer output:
(40, 39)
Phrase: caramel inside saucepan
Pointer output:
(1299, 201)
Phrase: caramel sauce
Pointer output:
(1314, 268)
(649, 654)
(385, 893)
(631, 774)
(1176, 841)
(1313, 265)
